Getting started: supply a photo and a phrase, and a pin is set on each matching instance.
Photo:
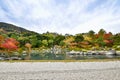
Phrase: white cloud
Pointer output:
(69, 16)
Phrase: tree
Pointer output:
(23, 40)
(116, 39)
(13, 35)
(101, 32)
(50, 43)
(68, 41)
(34, 41)
(45, 43)
(100, 42)
(79, 38)
(28, 45)
(10, 45)
(1, 40)
(91, 33)
(107, 36)
(58, 39)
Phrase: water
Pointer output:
(84, 57)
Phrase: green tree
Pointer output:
(100, 42)
(45, 43)
(50, 43)
(58, 39)
(62, 43)
(91, 33)
(14, 35)
(79, 38)
(33, 40)
(116, 39)
(101, 32)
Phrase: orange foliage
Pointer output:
(108, 41)
(1, 40)
(69, 40)
(10, 44)
(107, 36)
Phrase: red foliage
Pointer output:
(108, 41)
(10, 44)
(107, 36)
(85, 43)
(96, 35)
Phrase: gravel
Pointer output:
(60, 70)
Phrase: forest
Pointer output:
(13, 38)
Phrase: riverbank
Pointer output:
(83, 60)
(60, 70)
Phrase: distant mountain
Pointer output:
(6, 27)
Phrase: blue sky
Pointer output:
(62, 16)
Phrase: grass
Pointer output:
(87, 60)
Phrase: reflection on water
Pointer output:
(96, 56)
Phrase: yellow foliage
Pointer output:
(1, 39)
(87, 38)
(68, 40)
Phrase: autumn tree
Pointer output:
(1, 40)
(10, 45)
(28, 46)
(69, 40)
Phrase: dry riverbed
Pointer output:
(60, 70)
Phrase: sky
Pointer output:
(62, 16)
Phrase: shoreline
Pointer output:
(84, 60)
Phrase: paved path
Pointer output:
(60, 71)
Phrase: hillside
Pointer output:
(6, 27)
(88, 40)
